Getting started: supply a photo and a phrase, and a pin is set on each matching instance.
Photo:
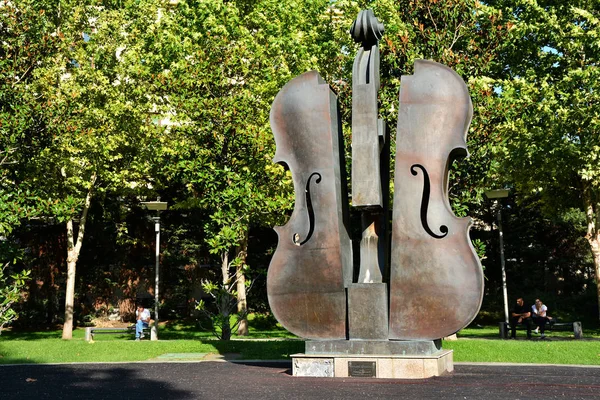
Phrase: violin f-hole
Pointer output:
(425, 202)
(310, 211)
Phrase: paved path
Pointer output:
(223, 380)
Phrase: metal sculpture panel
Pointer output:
(367, 129)
(313, 261)
(436, 283)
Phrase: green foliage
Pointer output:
(74, 101)
(11, 288)
(263, 321)
(25, 30)
(479, 247)
(77, 103)
(547, 104)
(548, 101)
(224, 317)
(221, 146)
(95, 106)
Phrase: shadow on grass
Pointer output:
(189, 330)
(92, 381)
(57, 334)
(171, 330)
(26, 335)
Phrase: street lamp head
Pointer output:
(155, 205)
(497, 194)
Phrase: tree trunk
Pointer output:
(73, 250)
(224, 307)
(595, 245)
(241, 286)
(70, 291)
(51, 295)
(592, 213)
(225, 270)
(226, 327)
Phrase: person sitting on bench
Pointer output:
(520, 315)
(540, 317)
(142, 317)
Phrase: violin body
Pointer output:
(436, 278)
(312, 264)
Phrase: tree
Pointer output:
(95, 110)
(549, 101)
(25, 30)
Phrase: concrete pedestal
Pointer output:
(372, 365)
(379, 347)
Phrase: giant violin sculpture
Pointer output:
(313, 262)
(436, 283)
(435, 279)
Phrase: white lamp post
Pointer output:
(496, 195)
(157, 206)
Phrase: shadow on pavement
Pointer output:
(228, 380)
(85, 381)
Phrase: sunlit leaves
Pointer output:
(237, 57)
(550, 100)
(11, 286)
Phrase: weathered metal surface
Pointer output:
(436, 283)
(313, 262)
(370, 150)
(366, 29)
(369, 250)
(367, 132)
(368, 311)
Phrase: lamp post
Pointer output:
(157, 206)
(496, 195)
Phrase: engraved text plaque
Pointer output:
(362, 369)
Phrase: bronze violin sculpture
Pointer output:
(432, 285)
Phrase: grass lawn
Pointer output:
(175, 337)
(525, 351)
(77, 350)
(474, 345)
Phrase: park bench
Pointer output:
(575, 327)
(91, 331)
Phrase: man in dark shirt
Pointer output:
(520, 315)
